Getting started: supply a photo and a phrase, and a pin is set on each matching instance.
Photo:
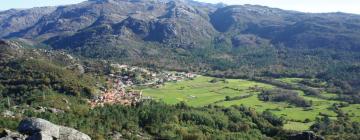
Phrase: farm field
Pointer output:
(201, 92)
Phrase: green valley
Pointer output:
(178, 70)
(202, 91)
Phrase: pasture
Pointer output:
(201, 92)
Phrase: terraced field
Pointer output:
(202, 92)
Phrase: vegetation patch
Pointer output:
(278, 95)
(201, 92)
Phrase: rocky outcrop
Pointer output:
(8, 114)
(8, 135)
(67, 133)
(10, 49)
(308, 135)
(32, 126)
(40, 129)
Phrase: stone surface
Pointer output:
(8, 113)
(55, 110)
(67, 133)
(40, 136)
(32, 126)
(40, 129)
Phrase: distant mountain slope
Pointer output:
(177, 22)
(293, 29)
(13, 21)
(240, 40)
(161, 21)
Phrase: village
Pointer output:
(123, 80)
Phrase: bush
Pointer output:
(279, 95)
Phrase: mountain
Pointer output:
(13, 20)
(125, 20)
(293, 29)
(178, 22)
(186, 35)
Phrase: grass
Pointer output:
(283, 109)
(58, 101)
(201, 92)
(354, 111)
(290, 80)
(297, 126)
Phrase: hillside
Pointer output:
(55, 86)
(61, 88)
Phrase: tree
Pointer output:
(276, 121)
(227, 98)
(8, 104)
(2, 88)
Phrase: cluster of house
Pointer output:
(153, 78)
(117, 95)
(178, 76)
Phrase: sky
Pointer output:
(314, 6)
(20, 4)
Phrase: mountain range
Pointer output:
(178, 22)
(190, 35)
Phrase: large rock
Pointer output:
(8, 114)
(40, 129)
(67, 133)
(40, 136)
(33, 126)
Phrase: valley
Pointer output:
(178, 70)
(202, 92)
(73, 92)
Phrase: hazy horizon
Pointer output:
(319, 6)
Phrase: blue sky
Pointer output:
(349, 6)
(8, 4)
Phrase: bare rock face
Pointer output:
(32, 126)
(13, 21)
(175, 23)
(10, 49)
(40, 136)
(40, 129)
(67, 133)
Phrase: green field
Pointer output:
(298, 126)
(353, 111)
(201, 92)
